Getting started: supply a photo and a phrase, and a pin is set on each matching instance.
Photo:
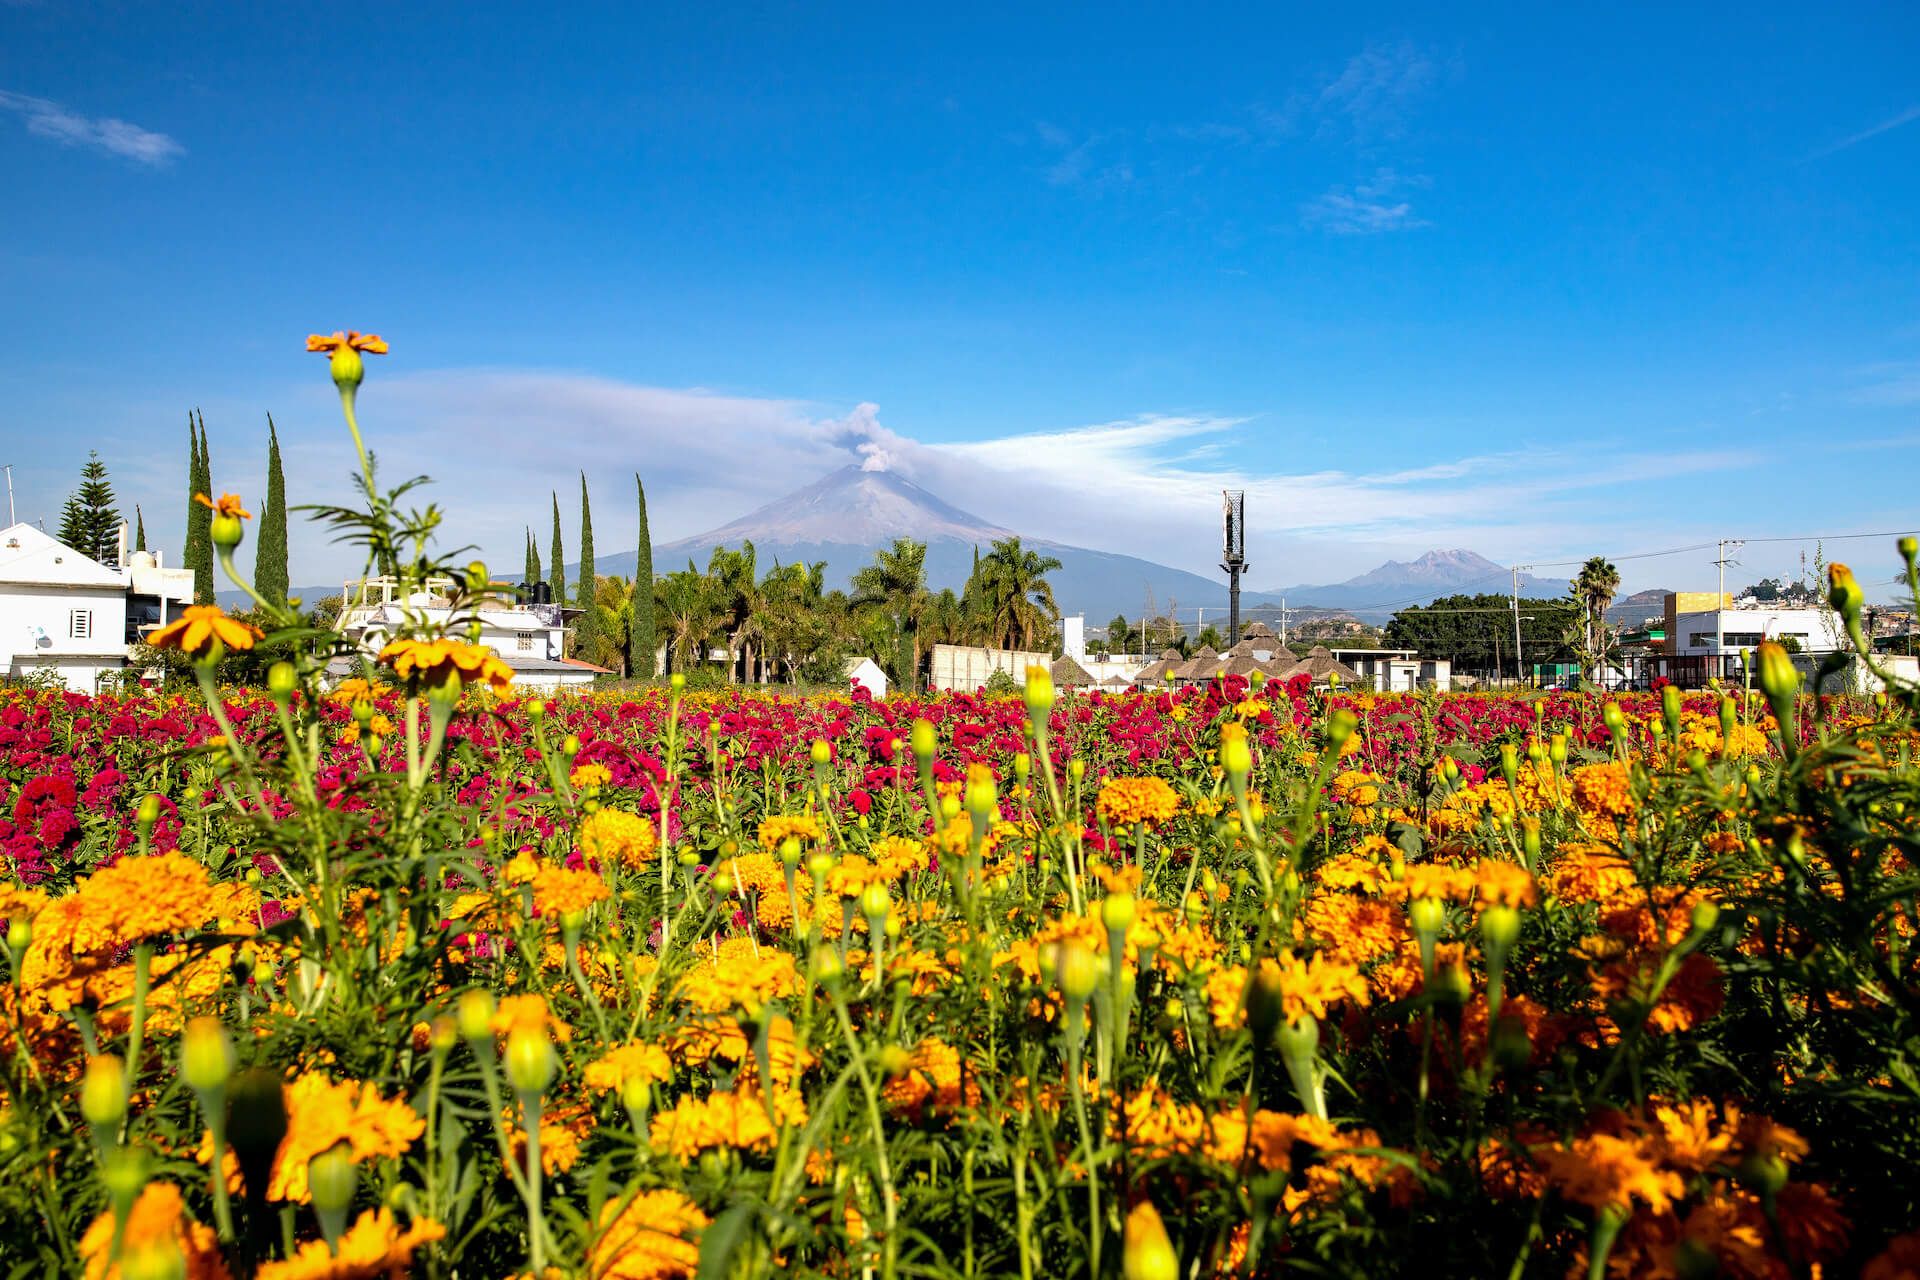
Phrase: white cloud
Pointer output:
(1891, 123)
(1368, 207)
(49, 119)
(1893, 384)
(1373, 92)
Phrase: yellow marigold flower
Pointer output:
(562, 1132)
(590, 775)
(560, 891)
(647, 1063)
(433, 662)
(321, 1114)
(200, 627)
(1604, 790)
(1149, 801)
(228, 505)
(804, 827)
(740, 979)
(1438, 880)
(897, 856)
(371, 343)
(158, 1219)
(140, 898)
(1307, 988)
(650, 1237)
(375, 1246)
(737, 1120)
(611, 835)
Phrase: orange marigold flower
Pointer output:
(529, 1013)
(1900, 1260)
(434, 662)
(647, 1063)
(228, 505)
(371, 343)
(158, 1220)
(560, 891)
(1504, 884)
(1603, 1171)
(590, 775)
(650, 1237)
(201, 627)
(611, 835)
(734, 1119)
(803, 826)
(1125, 802)
(321, 1114)
(375, 1246)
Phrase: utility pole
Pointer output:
(1519, 666)
(1283, 622)
(1719, 601)
(1233, 522)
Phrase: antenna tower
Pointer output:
(1233, 516)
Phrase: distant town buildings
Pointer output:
(530, 638)
(69, 616)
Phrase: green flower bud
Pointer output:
(1039, 694)
(474, 1017)
(148, 812)
(570, 746)
(256, 1124)
(1706, 914)
(1499, 927)
(894, 1060)
(1117, 911)
(822, 751)
(282, 680)
(1510, 763)
(1764, 1172)
(531, 1061)
(875, 902)
(103, 1092)
(1340, 727)
(949, 807)
(826, 967)
(1670, 710)
(333, 1178)
(1844, 593)
(206, 1056)
(225, 531)
(1427, 915)
(1022, 767)
(790, 853)
(923, 740)
(1079, 971)
(1613, 717)
(478, 579)
(19, 935)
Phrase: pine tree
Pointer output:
(91, 523)
(557, 564)
(199, 557)
(533, 564)
(587, 634)
(640, 640)
(139, 529)
(270, 557)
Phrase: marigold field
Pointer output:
(417, 976)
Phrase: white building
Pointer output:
(67, 614)
(1397, 670)
(866, 673)
(530, 638)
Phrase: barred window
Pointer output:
(524, 642)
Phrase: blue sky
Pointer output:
(1542, 285)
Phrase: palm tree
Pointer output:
(689, 613)
(1595, 587)
(1020, 603)
(800, 620)
(895, 585)
(612, 610)
(738, 592)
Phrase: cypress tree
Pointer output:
(640, 640)
(270, 558)
(139, 529)
(90, 522)
(557, 564)
(588, 626)
(533, 564)
(200, 518)
(193, 479)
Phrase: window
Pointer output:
(524, 642)
(80, 624)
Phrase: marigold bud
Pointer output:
(282, 680)
(148, 811)
(1510, 763)
(1236, 757)
(225, 531)
(1022, 767)
(19, 935)
(1146, 1251)
(333, 1178)
(474, 1016)
(1117, 911)
(821, 751)
(531, 1060)
(103, 1091)
(1039, 693)
(949, 807)
(1843, 593)
(894, 1060)
(923, 740)
(826, 966)
(1078, 970)
(1428, 915)
(1499, 927)
(1706, 914)
(206, 1056)
(875, 902)
(1340, 727)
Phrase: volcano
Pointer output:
(847, 515)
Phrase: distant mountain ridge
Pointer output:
(1398, 583)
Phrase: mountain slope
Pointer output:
(844, 517)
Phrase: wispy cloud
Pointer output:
(48, 119)
(1085, 161)
(1885, 126)
(1366, 208)
(1891, 384)
(1374, 91)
